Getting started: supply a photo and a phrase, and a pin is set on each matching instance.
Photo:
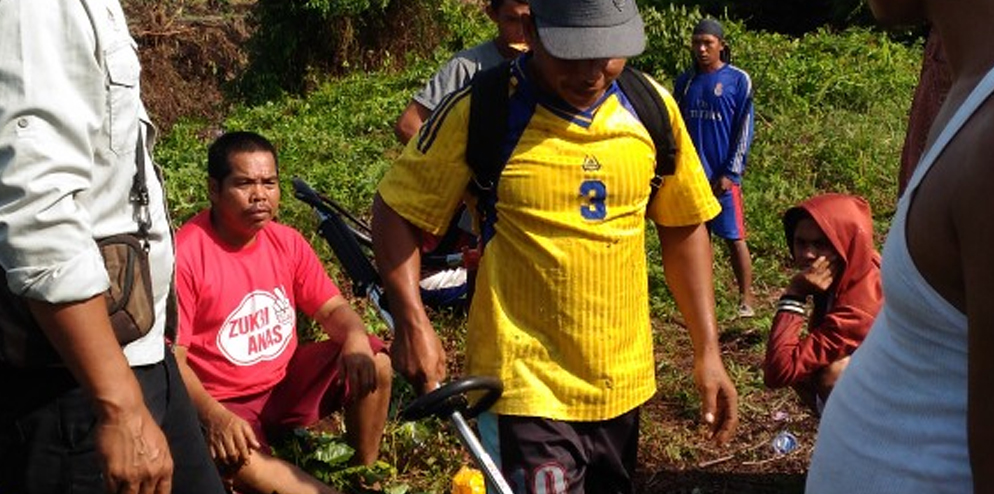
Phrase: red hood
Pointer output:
(848, 224)
(840, 319)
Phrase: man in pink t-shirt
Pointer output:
(241, 278)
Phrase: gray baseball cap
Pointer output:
(587, 29)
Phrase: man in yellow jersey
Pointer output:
(560, 311)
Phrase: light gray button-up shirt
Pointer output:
(70, 118)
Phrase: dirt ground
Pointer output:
(190, 56)
(675, 459)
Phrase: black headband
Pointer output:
(709, 26)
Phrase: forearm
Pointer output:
(398, 259)
(228, 436)
(201, 398)
(416, 351)
(339, 321)
(687, 260)
(687, 264)
(82, 335)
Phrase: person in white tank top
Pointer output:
(914, 412)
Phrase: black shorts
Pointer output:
(544, 456)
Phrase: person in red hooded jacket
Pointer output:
(838, 269)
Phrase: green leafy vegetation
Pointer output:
(831, 113)
(785, 16)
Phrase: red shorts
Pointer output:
(312, 388)
(730, 222)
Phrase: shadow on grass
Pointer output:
(704, 482)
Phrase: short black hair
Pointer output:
(218, 154)
(495, 4)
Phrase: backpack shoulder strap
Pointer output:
(488, 117)
(651, 110)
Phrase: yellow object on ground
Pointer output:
(468, 481)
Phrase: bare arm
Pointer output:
(410, 121)
(343, 325)
(416, 351)
(687, 264)
(135, 451)
(229, 437)
(976, 229)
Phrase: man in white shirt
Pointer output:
(83, 413)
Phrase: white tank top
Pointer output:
(896, 421)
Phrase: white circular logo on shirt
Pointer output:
(259, 329)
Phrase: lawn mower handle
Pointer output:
(450, 400)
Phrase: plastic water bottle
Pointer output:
(784, 442)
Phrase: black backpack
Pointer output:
(488, 119)
(488, 126)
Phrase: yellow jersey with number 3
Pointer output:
(560, 311)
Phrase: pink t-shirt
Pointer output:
(238, 306)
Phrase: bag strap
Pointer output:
(143, 216)
(488, 123)
(139, 192)
(652, 112)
